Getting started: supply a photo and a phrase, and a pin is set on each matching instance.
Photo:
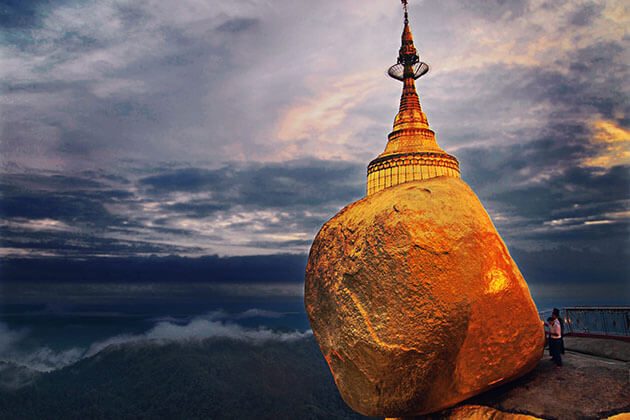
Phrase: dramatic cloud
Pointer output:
(88, 83)
(232, 209)
(193, 128)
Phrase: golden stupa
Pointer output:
(412, 152)
(411, 293)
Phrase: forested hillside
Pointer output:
(210, 379)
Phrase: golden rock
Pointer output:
(415, 301)
(476, 412)
(479, 412)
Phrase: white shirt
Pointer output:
(555, 329)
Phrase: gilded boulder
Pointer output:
(415, 301)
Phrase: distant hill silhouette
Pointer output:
(208, 379)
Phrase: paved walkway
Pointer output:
(586, 387)
(608, 348)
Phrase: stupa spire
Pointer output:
(412, 152)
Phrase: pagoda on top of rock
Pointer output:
(412, 153)
(411, 293)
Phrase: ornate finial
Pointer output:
(408, 63)
(404, 3)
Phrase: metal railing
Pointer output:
(611, 321)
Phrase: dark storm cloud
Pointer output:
(556, 157)
(208, 269)
(81, 244)
(540, 184)
(188, 179)
(285, 185)
(68, 208)
(73, 200)
(547, 200)
(582, 87)
(52, 214)
(575, 187)
(97, 213)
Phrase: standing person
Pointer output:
(548, 335)
(555, 335)
(556, 313)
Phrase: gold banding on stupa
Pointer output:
(412, 153)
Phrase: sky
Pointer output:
(139, 130)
